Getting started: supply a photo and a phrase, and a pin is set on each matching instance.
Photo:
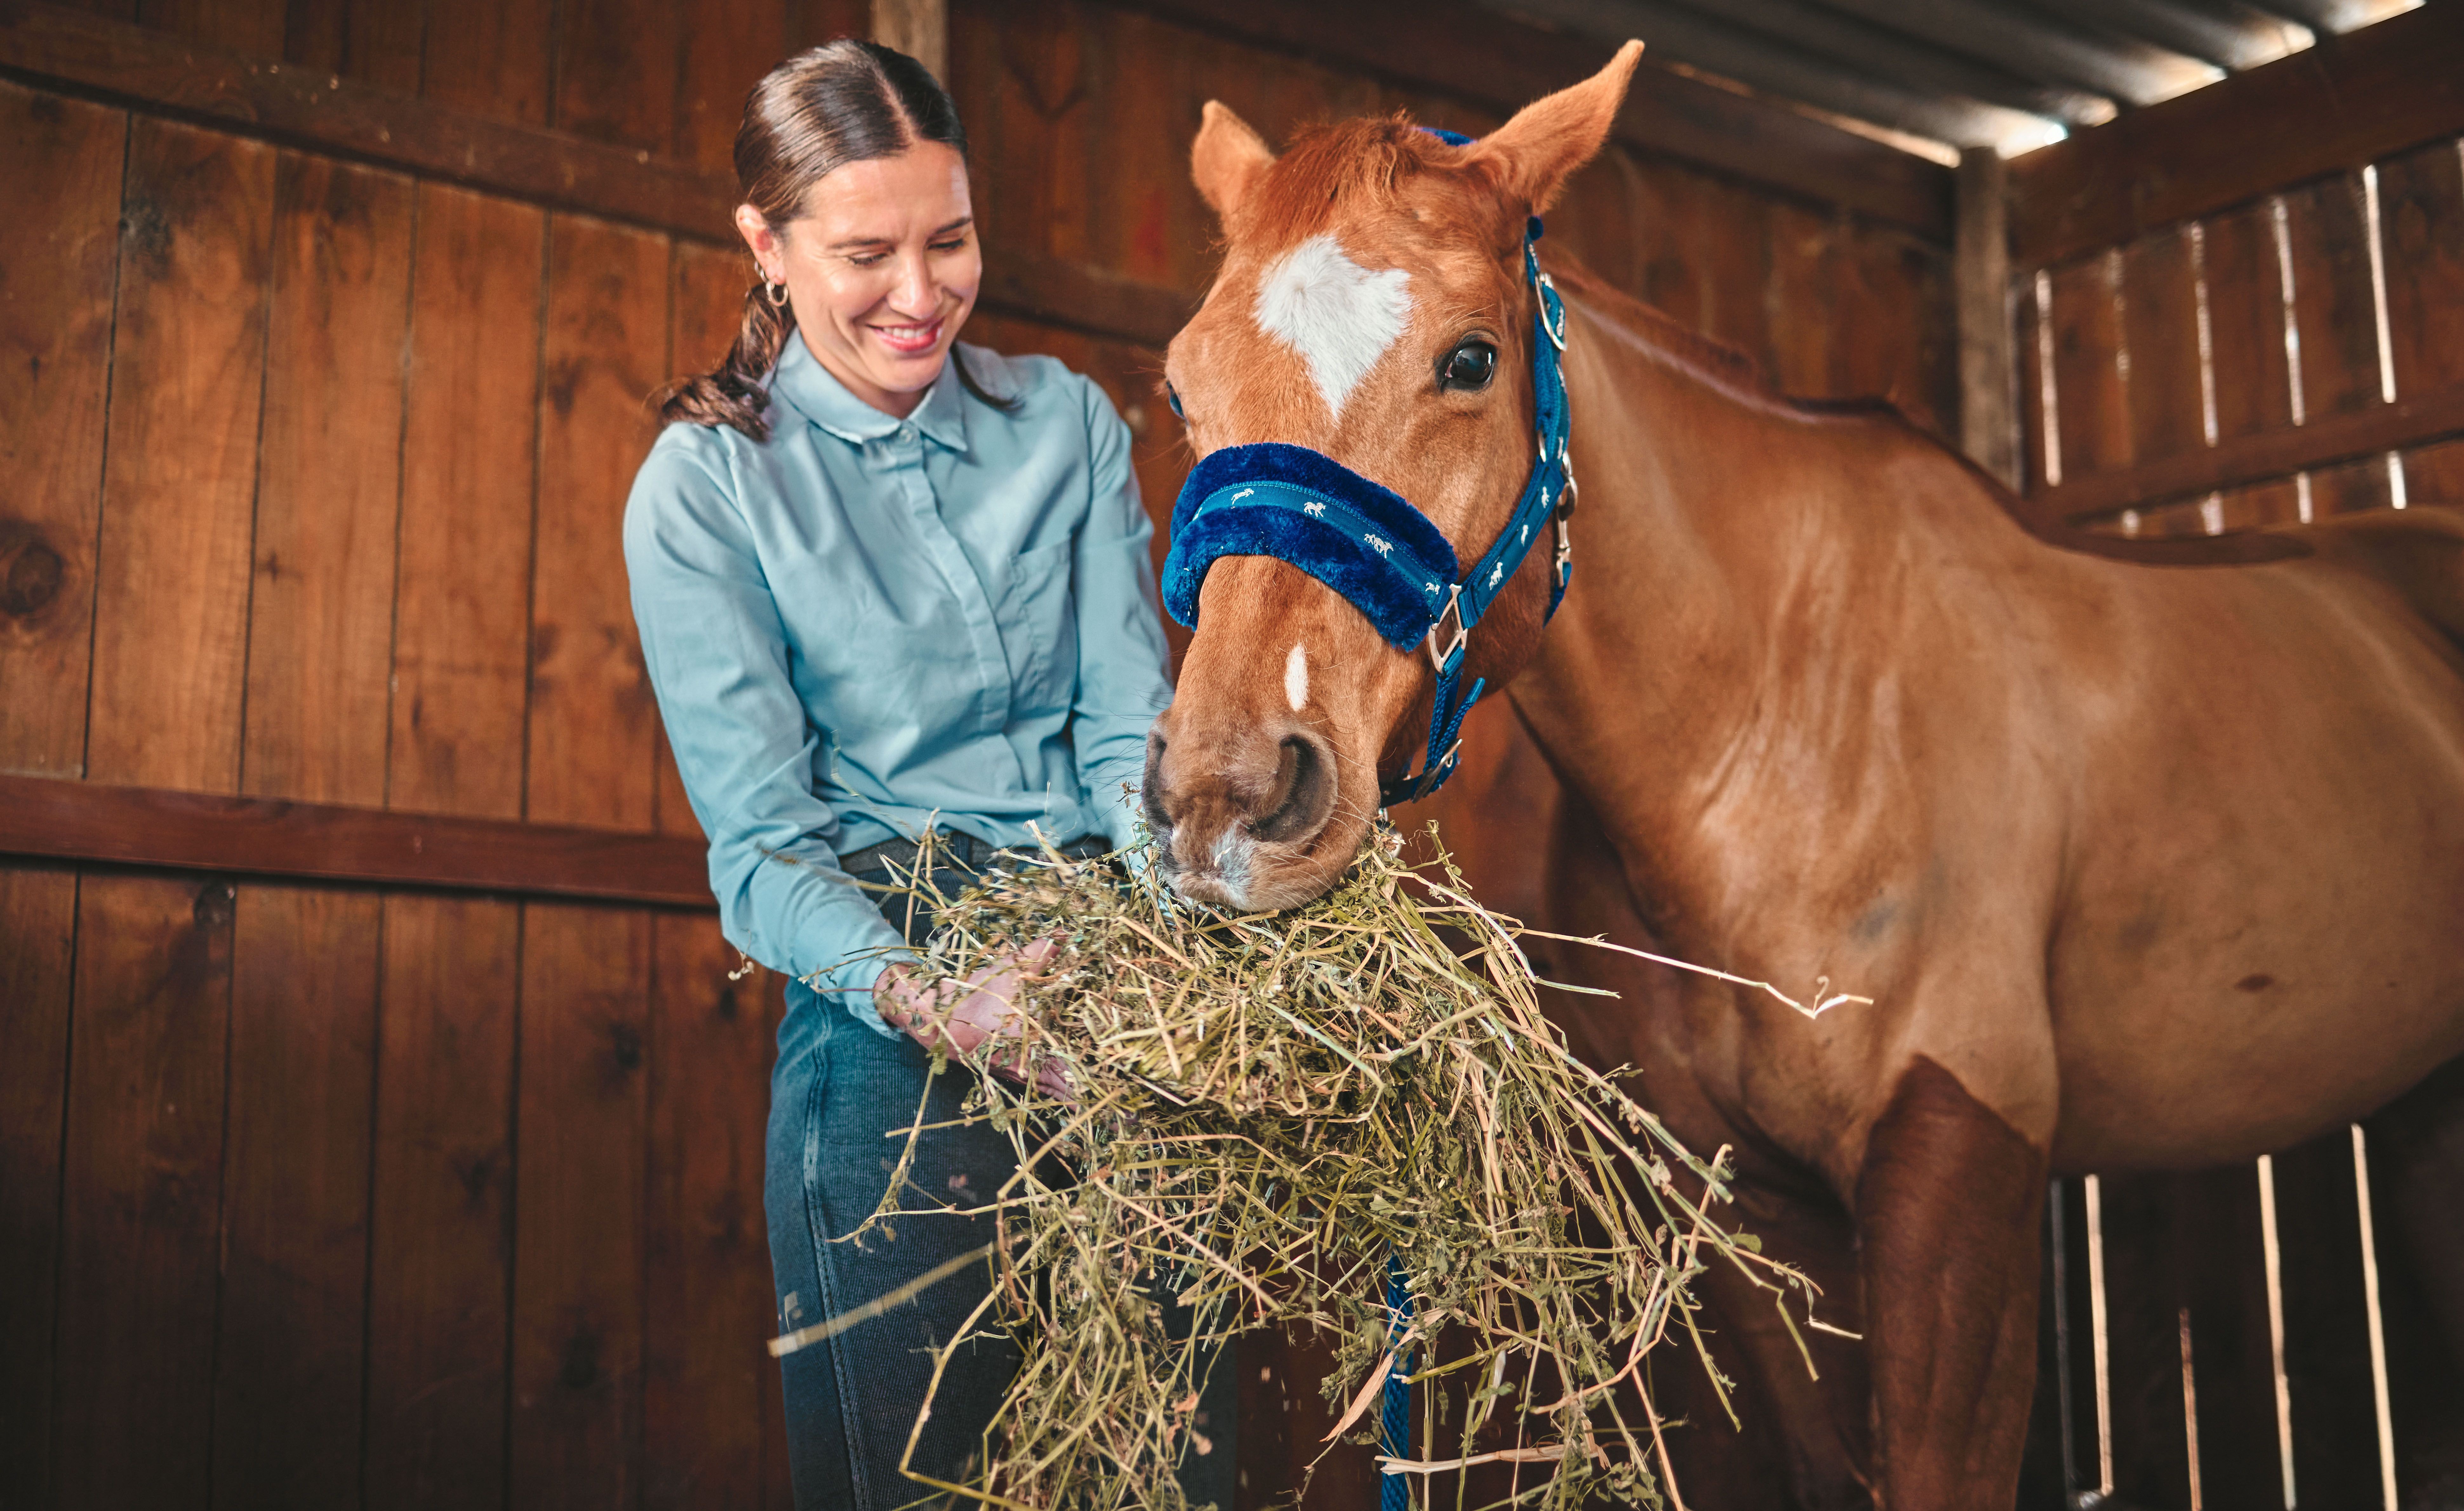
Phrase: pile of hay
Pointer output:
(1267, 1108)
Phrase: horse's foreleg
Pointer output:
(1948, 1202)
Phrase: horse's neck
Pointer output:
(1720, 540)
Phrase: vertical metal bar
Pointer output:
(2062, 1267)
(2104, 1350)
(2051, 407)
(2275, 1320)
(2378, 1326)
(2191, 1413)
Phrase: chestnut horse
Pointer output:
(2143, 866)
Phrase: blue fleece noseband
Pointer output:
(1367, 543)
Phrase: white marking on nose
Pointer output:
(1296, 677)
(1341, 316)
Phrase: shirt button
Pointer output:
(906, 432)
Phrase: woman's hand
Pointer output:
(963, 1015)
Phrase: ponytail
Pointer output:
(737, 391)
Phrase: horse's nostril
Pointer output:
(1303, 796)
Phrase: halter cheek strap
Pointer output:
(1383, 556)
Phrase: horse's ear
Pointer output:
(1536, 152)
(1226, 158)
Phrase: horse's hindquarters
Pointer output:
(2261, 937)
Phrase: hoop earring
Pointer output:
(774, 293)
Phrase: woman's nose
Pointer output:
(916, 292)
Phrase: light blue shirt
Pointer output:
(869, 627)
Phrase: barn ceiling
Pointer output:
(1939, 74)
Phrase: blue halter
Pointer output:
(1367, 543)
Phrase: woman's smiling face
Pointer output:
(882, 268)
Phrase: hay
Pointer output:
(1266, 1107)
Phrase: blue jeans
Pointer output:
(851, 1401)
(838, 1090)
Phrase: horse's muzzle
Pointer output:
(1236, 813)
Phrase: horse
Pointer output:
(2143, 866)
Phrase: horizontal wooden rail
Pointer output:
(1466, 49)
(80, 820)
(54, 47)
(2416, 421)
(2348, 102)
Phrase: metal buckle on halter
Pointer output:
(1445, 660)
(1557, 332)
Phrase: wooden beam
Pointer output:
(2409, 422)
(1463, 49)
(54, 47)
(1989, 392)
(2348, 102)
(80, 821)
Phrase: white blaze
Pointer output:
(1341, 316)
(1296, 677)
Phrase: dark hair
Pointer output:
(845, 102)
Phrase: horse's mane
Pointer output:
(1730, 367)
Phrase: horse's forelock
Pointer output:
(1331, 172)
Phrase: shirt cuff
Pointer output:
(850, 982)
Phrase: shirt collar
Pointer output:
(820, 398)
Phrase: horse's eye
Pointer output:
(1171, 397)
(1470, 365)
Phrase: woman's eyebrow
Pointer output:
(854, 243)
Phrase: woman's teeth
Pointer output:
(909, 338)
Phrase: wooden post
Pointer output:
(920, 29)
(1989, 420)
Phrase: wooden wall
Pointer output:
(310, 478)
(2288, 346)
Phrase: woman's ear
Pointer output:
(1536, 152)
(1226, 159)
(764, 242)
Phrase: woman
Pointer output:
(883, 582)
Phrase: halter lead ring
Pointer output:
(1382, 555)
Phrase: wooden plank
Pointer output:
(708, 1255)
(329, 474)
(726, 46)
(143, 1174)
(384, 40)
(54, 46)
(1464, 49)
(288, 1341)
(2220, 1279)
(60, 245)
(253, 27)
(172, 574)
(920, 29)
(2327, 1337)
(493, 60)
(2421, 238)
(1804, 275)
(2350, 100)
(616, 74)
(1897, 332)
(2091, 403)
(2246, 322)
(2151, 1460)
(2434, 475)
(2160, 329)
(1989, 421)
(604, 352)
(462, 590)
(1140, 116)
(441, 1204)
(580, 1208)
(41, 816)
(2363, 438)
(37, 970)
